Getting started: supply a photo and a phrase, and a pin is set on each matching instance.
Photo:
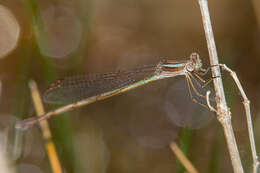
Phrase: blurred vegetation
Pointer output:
(130, 132)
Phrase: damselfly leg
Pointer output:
(199, 74)
(191, 87)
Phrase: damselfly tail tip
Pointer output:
(21, 126)
(25, 124)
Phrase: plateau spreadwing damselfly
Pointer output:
(83, 90)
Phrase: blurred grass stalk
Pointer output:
(184, 144)
(63, 134)
(182, 151)
(182, 158)
(6, 165)
(223, 112)
(50, 147)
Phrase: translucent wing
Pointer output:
(72, 89)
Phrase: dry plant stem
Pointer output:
(182, 158)
(50, 147)
(246, 104)
(223, 113)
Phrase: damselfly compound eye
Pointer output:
(196, 62)
(190, 67)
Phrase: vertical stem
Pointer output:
(223, 113)
(46, 132)
(246, 104)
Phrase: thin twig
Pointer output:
(223, 113)
(182, 158)
(50, 147)
(211, 108)
(246, 104)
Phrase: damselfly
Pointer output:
(83, 90)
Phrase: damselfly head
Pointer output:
(195, 63)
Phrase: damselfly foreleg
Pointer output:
(190, 85)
